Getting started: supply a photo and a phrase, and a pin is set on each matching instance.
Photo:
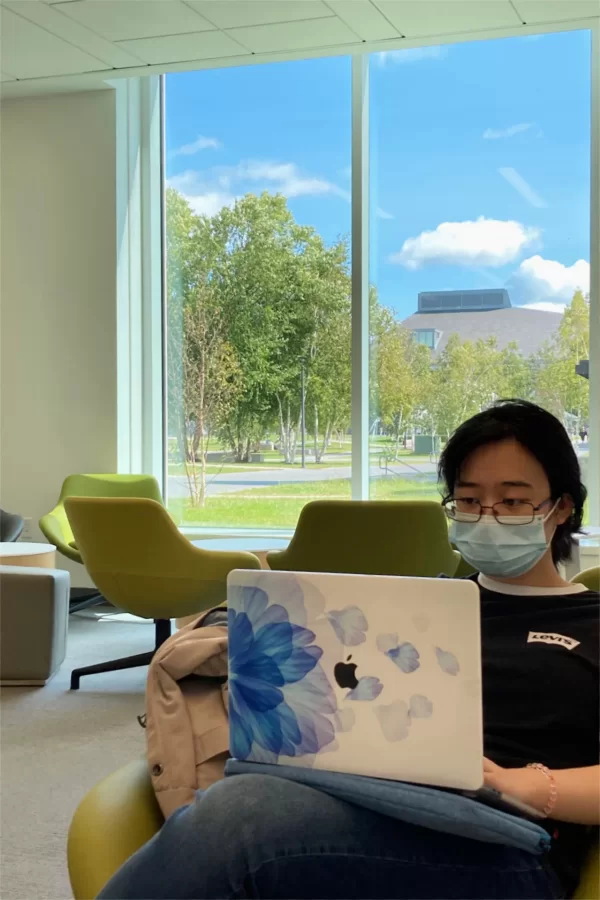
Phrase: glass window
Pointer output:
(427, 336)
(258, 373)
(479, 268)
(480, 247)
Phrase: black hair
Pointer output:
(543, 436)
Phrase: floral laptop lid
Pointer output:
(366, 674)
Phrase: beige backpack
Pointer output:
(187, 729)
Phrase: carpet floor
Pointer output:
(55, 744)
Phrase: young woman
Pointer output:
(515, 498)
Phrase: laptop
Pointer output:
(363, 674)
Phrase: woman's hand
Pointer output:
(528, 785)
(577, 790)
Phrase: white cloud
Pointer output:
(543, 283)
(205, 200)
(209, 191)
(201, 143)
(186, 182)
(483, 242)
(547, 307)
(210, 204)
(496, 134)
(287, 179)
(522, 187)
(411, 55)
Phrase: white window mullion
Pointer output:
(152, 276)
(126, 266)
(139, 277)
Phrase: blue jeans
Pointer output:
(259, 836)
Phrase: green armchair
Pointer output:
(142, 563)
(370, 537)
(120, 814)
(55, 525)
(589, 577)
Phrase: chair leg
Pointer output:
(78, 603)
(127, 662)
(162, 630)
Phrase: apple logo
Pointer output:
(345, 674)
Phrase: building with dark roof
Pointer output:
(475, 315)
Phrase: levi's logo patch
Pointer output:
(546, 637)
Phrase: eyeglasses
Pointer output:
(506, 512)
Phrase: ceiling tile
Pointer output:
(364, 18)
(184, 47)
(51, 20)
(30, 52)
(122, 20)
(439, 17)
(237, 13)
(294, 35)
(534, 12)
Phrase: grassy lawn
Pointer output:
(279, 506)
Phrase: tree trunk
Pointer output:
(397, 427)
(288, 436)
(181, 437)
(282, 438)
(326, 440)
(294, 439)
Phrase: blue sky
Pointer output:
(479, 159)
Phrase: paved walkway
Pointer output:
(243, 481)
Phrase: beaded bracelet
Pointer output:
(553, 795)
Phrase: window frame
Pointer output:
(141, 272)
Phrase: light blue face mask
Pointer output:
(504, 550)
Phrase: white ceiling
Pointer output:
(50, 45)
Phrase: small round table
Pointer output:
(22, 553)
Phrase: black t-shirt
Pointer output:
(541, 697)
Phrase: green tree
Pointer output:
(210, 385)
(282, 290)
(330, 376)
(202, 369)
(181, 227)
(558, 387)
(402, 369)
(262, 296)
(323, 335)
(468, 376)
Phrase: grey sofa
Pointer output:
(34, 609)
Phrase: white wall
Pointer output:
(58, 392)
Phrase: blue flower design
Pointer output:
(368, 688)
(447, 661)
(349, 625)
(280, 699)
(404, 655)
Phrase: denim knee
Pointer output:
(238, 807)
